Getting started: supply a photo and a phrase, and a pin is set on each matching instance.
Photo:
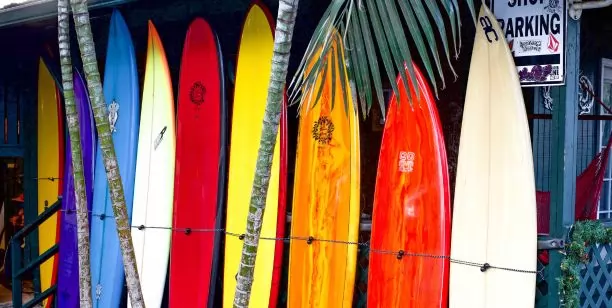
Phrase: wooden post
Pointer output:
(564, 132)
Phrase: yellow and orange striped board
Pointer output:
(50, 169)
(326, 192)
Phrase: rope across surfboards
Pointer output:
(400, 253)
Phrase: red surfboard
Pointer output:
(411, 206)
(61, 136)
(200, 170)
(282, 209)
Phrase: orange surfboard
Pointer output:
(411, 206)
(326, 193)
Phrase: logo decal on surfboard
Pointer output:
(98, 291)
(159, 138)
(487, 26)
(113, 115)
(197, 93)
(322, 130)
(406, 162)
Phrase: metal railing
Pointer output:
(16, 259)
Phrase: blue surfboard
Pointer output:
(122, 99)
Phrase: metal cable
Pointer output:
(400, 254)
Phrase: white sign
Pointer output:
(535, 31)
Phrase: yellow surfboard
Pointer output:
(252, 77)
(50, 167)
(326, 193)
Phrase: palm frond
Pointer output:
(343, 77)
(320, 90)
(450, 11)
(353, 71)
(333, 76)
(374, 38)
(395, 27)
(419, 11)
(383, 48)
(413, 27)
(362, 62)
(393, 43)
(472, 10)
(434, 11)
(320, 37)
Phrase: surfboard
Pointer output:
(250, 94)
(121, 91)
(326, 191)
(281, 218)
(411, 205)
(494, 215)
(50, 169)
(153, 189)
(68, 270)
(200, 175)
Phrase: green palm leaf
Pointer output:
(397, 39)
(362, 62)
(353, 75)
(343, 76)
(413, 27)
(352, 71)
(472, 10)
(371, 52)
(374, 36)
(434, 11)
(419, 10)
(382, 47)
(334, 64)
(450, 11)
(320, 38)
(322, 84)
(456, 11)
(328, 18)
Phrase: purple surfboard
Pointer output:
(68, 271)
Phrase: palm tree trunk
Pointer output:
(287, 12)
(75, 148)
(94, 84)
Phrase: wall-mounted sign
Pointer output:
(535, 31)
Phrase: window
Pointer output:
(605, 128)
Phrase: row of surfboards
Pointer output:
(197, 172)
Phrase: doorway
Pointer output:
(11, 217)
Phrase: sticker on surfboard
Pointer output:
(159, 138)
(322, 130)
(406, 162)
(487, 26)
(197, 93)
(113, 115)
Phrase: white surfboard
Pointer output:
(154, 182)
(494, 218)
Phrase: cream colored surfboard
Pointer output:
(494, 218)
(154, 182)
